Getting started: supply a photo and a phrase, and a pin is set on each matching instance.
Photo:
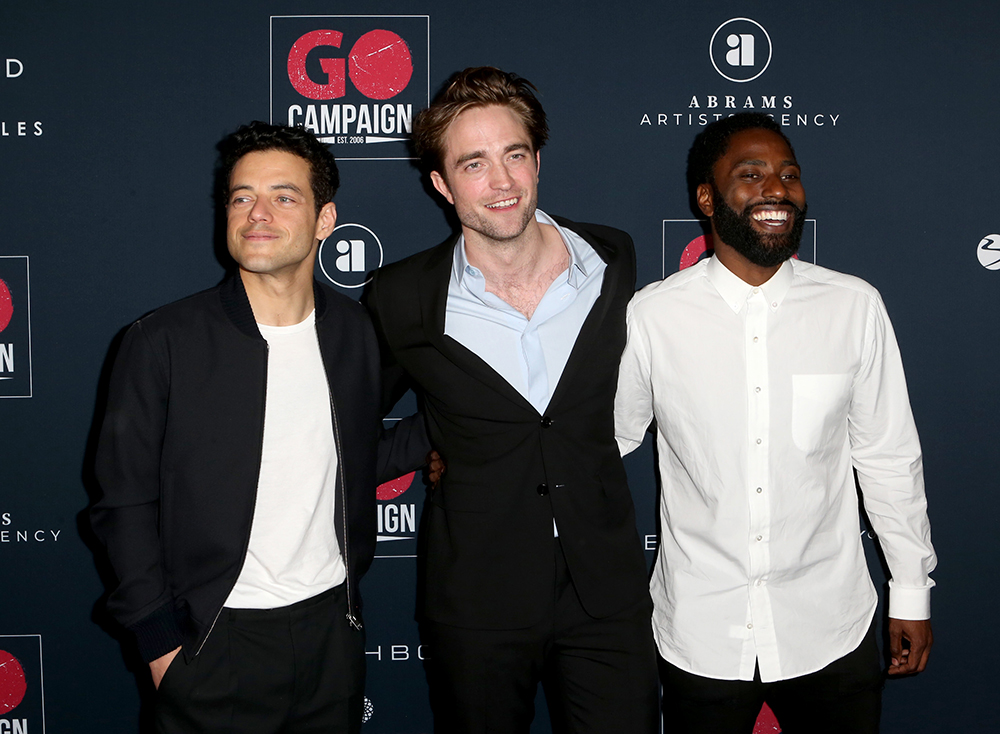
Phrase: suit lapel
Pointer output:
(587, 340)
(433, 286)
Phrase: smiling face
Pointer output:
(489, 173)
(757, 203)
(272, 225)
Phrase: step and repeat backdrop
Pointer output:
(109, 117)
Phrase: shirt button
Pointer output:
(750, 626)
(756, 389)
(759, 490)
(760, 538)
(759, 582)
(756, 290)
(758, 440)
(542, 489)
(755, 340)
(774, 305)
(547, 421)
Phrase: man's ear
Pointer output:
(326, 220)
(442, 186)
(704, 195)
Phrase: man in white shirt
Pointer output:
(238, 460)
(772, 381)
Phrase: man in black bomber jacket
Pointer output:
(238, 461)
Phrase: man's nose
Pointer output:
(260, 212)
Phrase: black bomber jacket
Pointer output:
(179, 455)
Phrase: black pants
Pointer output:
(599, 675)
(845, 696)
(299, 668)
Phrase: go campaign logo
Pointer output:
(355, 81)
(15, 329)
(22, 697)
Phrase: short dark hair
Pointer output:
(713, 142)
(324, 179)
(478, 86)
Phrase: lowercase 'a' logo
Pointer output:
(349, 254)
(740, 49)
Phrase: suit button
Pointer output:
(543, 489)
(547, 421)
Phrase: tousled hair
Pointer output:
(479, 86)
(324, 179)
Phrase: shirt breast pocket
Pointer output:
(819, 409)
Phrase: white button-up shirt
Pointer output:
(766, 400)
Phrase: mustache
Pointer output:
(771, 203)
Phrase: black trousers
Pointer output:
(845, 696)
(299, 668)
(599, 675)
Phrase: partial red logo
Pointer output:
(13, 685)
(6, 306)
(395, 487)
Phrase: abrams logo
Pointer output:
(15, 328)
(22, 697)
(740, 50)
(354, 81)
(349, 254)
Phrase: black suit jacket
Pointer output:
(489, 546)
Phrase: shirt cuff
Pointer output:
(909, 603)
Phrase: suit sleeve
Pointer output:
(404, 446)
(395, 380)
(126, 518)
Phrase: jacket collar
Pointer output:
(236, 304)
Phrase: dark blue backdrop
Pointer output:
(109, 114)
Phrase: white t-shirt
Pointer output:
(293, 553)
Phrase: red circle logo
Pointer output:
(380, 64)
(6, 306)
(12, 683)
(392, 489)
(695, 249)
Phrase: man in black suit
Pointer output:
(511, 332)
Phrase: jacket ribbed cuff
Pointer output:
(158, 633)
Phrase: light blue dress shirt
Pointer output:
(530, 354)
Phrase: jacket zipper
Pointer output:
(246, 544)
(345, 551)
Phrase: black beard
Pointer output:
(765, 250)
